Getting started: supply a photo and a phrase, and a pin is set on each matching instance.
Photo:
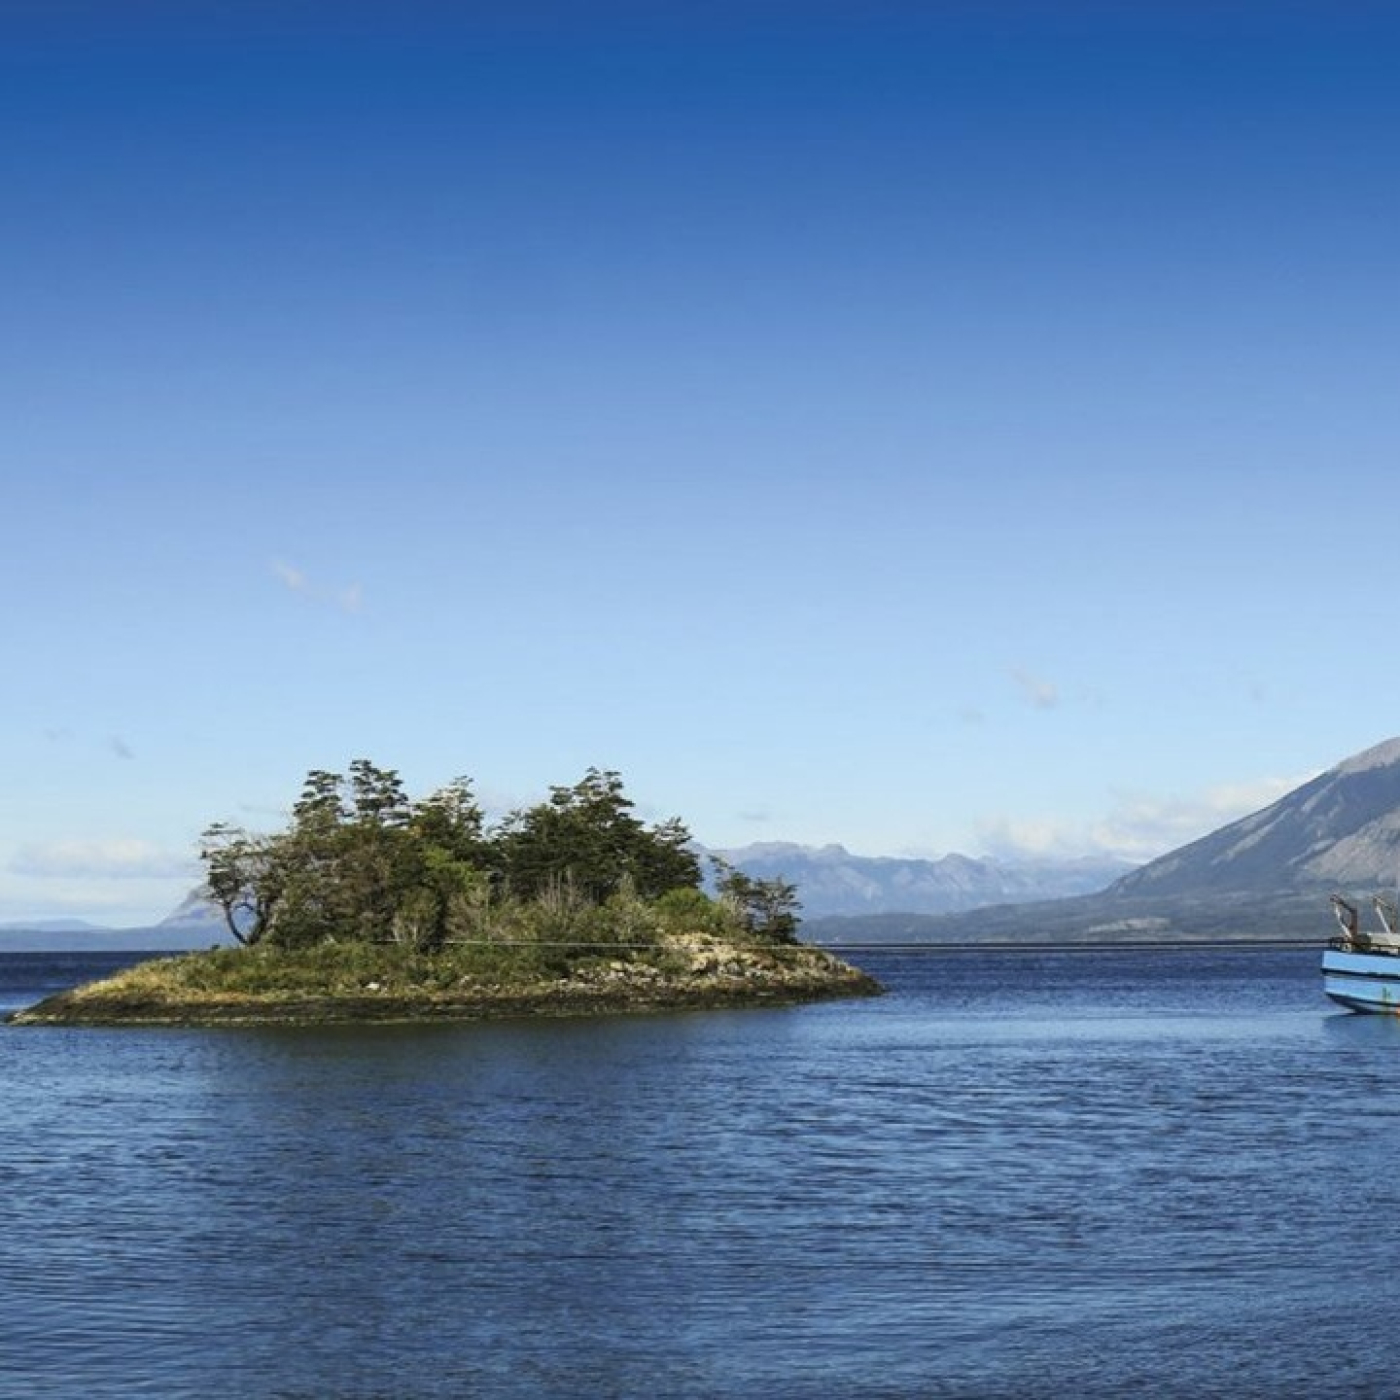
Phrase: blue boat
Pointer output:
(1360, 969)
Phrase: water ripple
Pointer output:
(1146, 1174)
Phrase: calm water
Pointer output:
(1167, 1174)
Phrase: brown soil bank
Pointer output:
(269, 987)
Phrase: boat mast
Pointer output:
(1386, 910)
(1347, 918)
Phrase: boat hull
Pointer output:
(1362, 981)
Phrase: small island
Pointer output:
(372, 907)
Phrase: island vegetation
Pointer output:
(373, 906)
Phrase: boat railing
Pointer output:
(1377, 944)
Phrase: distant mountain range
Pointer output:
(1266, 876)
(54, 926)
(159, 938)
(196, 923)
(831, 881)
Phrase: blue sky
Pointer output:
(924, 427)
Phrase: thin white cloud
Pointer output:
(347, 599)
(1138, 827)
(292, 578)
(1037, 692)
(119, 858)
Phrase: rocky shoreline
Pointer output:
(691, 975)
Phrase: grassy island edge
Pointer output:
(344, 984)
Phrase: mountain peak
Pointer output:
(1340, 828)
(1382, 755)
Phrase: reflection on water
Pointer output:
(1025, 1176)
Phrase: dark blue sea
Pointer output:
(1017, 1175)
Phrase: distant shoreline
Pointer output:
(1125, 945)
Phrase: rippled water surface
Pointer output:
(1155, 1173)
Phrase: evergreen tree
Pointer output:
(585, 838)
(768, 908)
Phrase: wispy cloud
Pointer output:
(1138, 827)
(118, 858)
(1039, 693)
(292, 578)
(347, 599)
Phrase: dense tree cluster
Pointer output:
(362, 862)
